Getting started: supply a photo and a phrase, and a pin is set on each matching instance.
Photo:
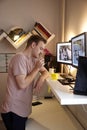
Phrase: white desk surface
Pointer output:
(64, 95)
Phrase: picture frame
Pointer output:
(64, 52)
(78, 47)
(4, 61)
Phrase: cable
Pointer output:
(71, 86)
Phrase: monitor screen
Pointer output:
(64, 52)
(78, 47)
(81, 77)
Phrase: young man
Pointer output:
(23, 69)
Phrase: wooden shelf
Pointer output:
(17, 43)
(38, 29)
(41, 30)
(3, 35)
(20, 41)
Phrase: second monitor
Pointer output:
(64, 52)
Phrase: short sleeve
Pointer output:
(18, 65)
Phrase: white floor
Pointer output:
(51, 116)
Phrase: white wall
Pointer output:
(24, 13)
(75, 18)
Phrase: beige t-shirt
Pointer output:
(18, 100)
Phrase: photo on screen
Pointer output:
(64, 52)
(78, 48)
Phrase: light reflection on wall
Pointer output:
(70, 35)
(72, 70)
(84, 26)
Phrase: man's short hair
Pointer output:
(36, 39)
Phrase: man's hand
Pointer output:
(40, 63)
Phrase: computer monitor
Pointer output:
(78, 47)
(64, 52)
(81, 77)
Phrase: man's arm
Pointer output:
(23, 81)
(44, 74)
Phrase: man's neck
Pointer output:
(27, 52)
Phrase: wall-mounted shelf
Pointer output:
(41, 30)
(17, 43)
(20, 41)
(38, 29)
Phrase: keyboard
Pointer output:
(66, 81)
(63, 81)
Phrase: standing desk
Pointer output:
(64, 94)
